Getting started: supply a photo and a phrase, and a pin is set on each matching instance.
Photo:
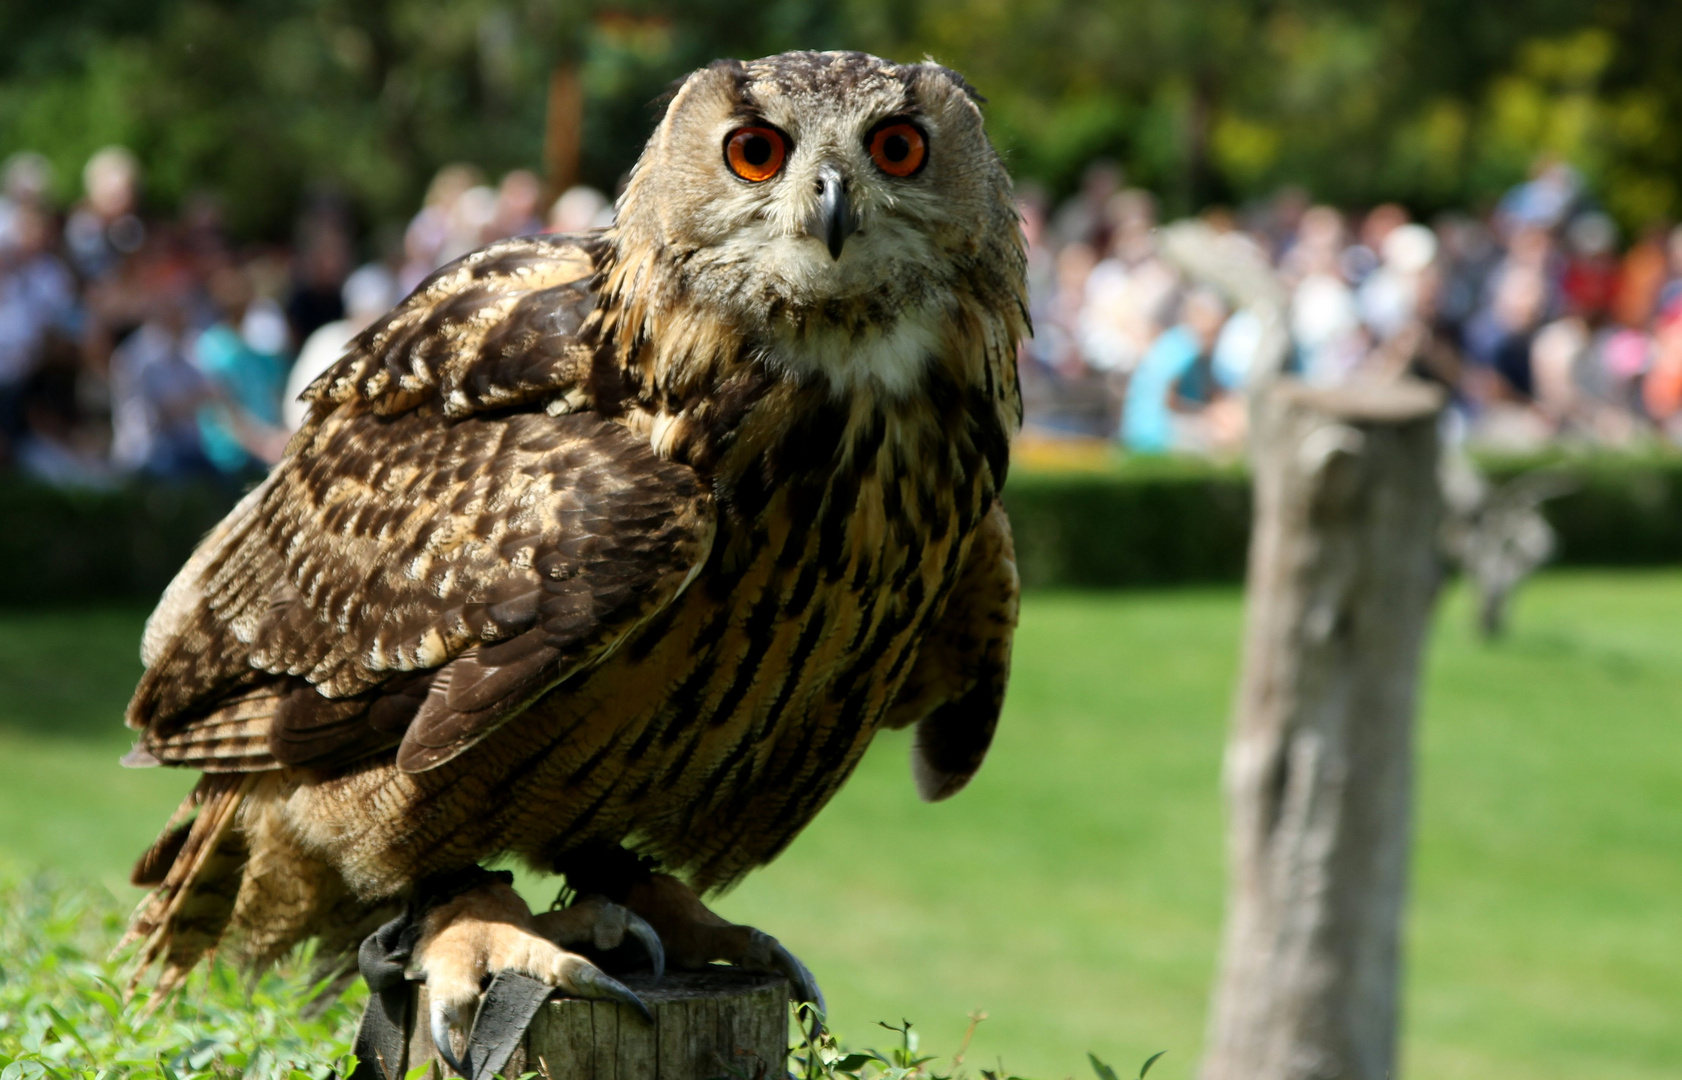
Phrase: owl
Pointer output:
(610, 553)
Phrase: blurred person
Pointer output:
(1175, 400)
(1063, 395)
(1641, 276)
(368, 293)
(579, 209)
(1389, 298)
(1132, 219)
(1555, 354)
(1624, 356)
(1671, 291)
(1661, 389)
(54, 446)
(156, 393)
(1325, 321)
(1082, 218)
(1365, 255)
(1042, 271)
(323, 261)
(1563, 366)
(1131, 293)
(1234, 355)
(1426, 345)
(1589, 279)
(241, 428)
(38, 299)
(1062, 344)
(1318, 247)
(1499, 337)
(1326, 327)
(428, 234)
(105, 226)
(517, 206)
(26, 181)
(1280, 221)
(1468, 253)
(1551, 195)
(470, 223)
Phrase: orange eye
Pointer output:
(898, 148)
(755, 153)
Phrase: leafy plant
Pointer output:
(1106, 1073)
(63, 1013)
(821, 1057)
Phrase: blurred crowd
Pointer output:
(133, 345)
(161, 348)
(1539, 322)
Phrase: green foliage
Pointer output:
(261, 102)
(820, 1057)
(61, 546)
(1429, 102)
(63, 1013)
(1106, 1073)
(1622, 509)
(1175, 522)
(1142, 524)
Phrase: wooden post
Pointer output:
(706, 1024)
(1343, 571)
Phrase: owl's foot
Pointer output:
(695, 936)
(469, 940)
(597, 922)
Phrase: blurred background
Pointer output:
(202, 202)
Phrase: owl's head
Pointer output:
(810, 195)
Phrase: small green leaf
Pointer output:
(1104, 1071)
(67, 1028)
(1146, 1067)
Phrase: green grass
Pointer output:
(1074, 891)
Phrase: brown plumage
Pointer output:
(625, 540)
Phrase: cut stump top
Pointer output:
(716, 1023)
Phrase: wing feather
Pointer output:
(956, 685)
(414, 573)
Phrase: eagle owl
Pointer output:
(611, 553)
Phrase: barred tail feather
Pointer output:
(201, 862)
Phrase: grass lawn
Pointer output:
(1074, 890)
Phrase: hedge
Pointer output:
(1168, 523)
(59, 546)
(1155, 523)
(1131, 523)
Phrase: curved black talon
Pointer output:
(441, 1041)
(607, 987)
(638, 927)
(800, 977)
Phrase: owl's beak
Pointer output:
(832, 222)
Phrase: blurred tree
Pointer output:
(1433, 102)
(259, 100)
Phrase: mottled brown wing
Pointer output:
(405, 579)
(957, 683)
(416, 582)
(501, 327)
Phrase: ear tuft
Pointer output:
(956, 79)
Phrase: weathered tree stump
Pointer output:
(1343, 571)
(706, 1024)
